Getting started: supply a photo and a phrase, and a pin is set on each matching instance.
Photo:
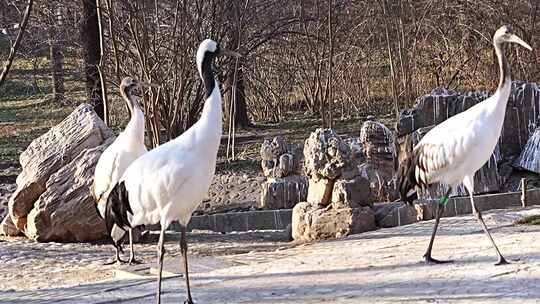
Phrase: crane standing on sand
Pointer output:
(169, 182)
(126, 148)
(454, 150)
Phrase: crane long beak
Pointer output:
(518, 40)
(230, 53)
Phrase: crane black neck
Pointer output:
(129, 99)
(207, 73)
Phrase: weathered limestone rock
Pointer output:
(81, 130)
(521, 119)
(395, 214)
(7, 227)
(352, 193)
(320, 191)
(378, 143)
(283, 193)
(310, 223)
(381, 184)
(280, 159)
(66, 210)
(529, 159)
(326, 155)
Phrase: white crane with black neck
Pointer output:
(168, 183)
(126, 148)
(455, 149)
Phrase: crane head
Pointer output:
(505, 34)
(209, 49)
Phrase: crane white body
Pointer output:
(113, 162)
(455, 149)
(170, 182)
(462, 144)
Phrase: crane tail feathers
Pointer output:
(407, 180)
(117, 208)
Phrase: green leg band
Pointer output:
(443, 201)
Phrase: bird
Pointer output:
(168, 183)
(454, 150)
(126, 148)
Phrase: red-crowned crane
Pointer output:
(126, 148)
(168, 183)
(454, 150)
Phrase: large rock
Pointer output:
(529, 159)
(283, 193)
(326, 155)
(378, 143)
(66, 211)
(81, 130)
(351, 193)
(381, 183)
(310, 223)
(521, 119)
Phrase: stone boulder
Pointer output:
(280, 159)
(351, 193)
(380, 181)
(81, 130)
(283, 193)
(529, 159)
(326, 158)
(66, 211)
(310, 223)
(378, 143)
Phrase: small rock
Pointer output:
(311, 223)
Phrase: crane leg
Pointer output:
(427, 256)
(183, 250)
(161, 253)
(132, 259)
(117, 260)
(501, 260)
(468, 181)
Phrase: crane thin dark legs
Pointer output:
(501, 260)
(118, 249)
(183, 250)
(161, 253)
(439, 212)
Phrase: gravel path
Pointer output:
(382, 266)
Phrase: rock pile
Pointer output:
(52, 201)
(338, 196)
(378, 144)
(282, 166)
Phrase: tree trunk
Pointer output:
(241, 118)
(89, 33)
(57, 57)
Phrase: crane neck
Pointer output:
(207, 75)
(504, 67)
(131, 101)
